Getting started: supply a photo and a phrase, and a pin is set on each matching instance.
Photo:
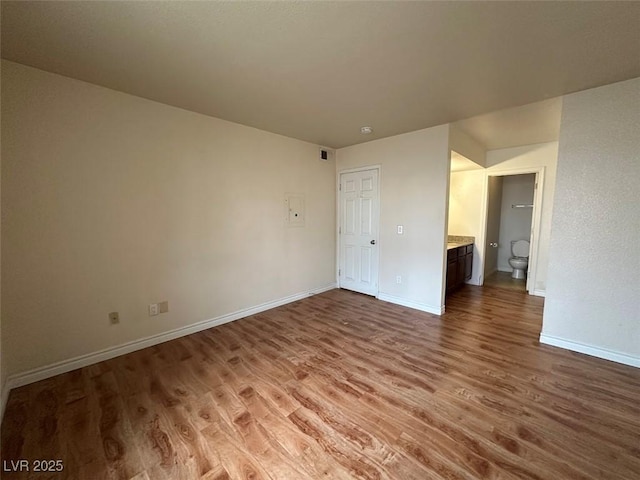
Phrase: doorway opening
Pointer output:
(493, 208)
(509, 227)
(513, 208)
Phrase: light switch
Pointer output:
(400, 229)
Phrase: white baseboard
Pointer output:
(539, 293)
(591, 350)
(411, 304)
(64, 366)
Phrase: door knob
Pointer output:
(372, 242)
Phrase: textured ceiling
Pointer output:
(318, 71)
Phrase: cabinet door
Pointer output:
(460, 272)
(452, 270)
(468, 266)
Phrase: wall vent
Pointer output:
(327, 154)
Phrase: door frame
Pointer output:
(339, 218)
(536, 217)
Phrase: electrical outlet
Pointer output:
(114, 318)
(163, 307)
(399, 279)
(153, 309)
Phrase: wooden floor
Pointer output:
(504, 280)
(343, 386)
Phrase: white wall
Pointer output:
(593, 296)
(112, 202)
(515, 223)
(413, 192)
(466, 195)
(545, 155)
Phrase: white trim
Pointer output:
(363, 168)
(385, 297)
(590, 350)
(338, 194)
(37, 374)
(481, 241)
(540, 293)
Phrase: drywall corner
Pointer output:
(467, 146)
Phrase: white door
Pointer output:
(494, 206)
(359, 217)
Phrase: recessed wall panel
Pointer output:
(350, 263)
(350, 217)
(350, 186)
(365, 264)
(366, 211)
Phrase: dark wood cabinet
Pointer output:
(452, 272)
(468, 262)
(459, 266)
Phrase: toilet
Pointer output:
(520, 258)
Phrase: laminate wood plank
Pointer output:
(412, 417)
(80, 423)
(374, 389)
(337, 450)
(522, 439)
(119, 449)
(341, 386)
(387, 426)
(259, 444)
(153, 435)
(234, 458)
(308, 454)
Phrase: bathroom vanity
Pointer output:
(459, 261)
